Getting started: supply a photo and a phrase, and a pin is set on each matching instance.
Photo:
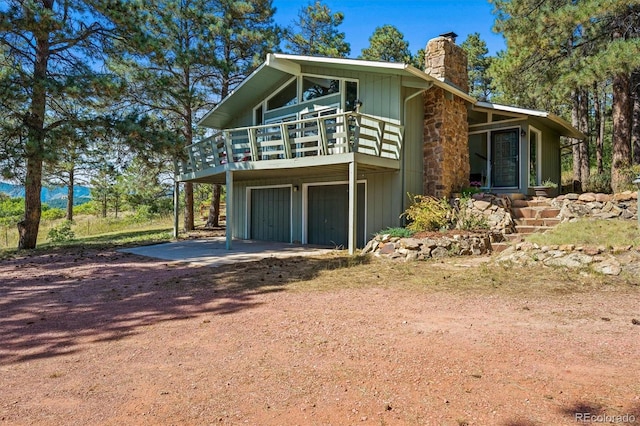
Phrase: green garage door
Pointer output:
(271, 214)
(329, 215)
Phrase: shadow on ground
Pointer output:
(58, 302)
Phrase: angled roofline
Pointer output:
(572, 131)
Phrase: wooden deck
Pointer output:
(284, 145)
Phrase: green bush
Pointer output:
(629, 175)
(53, 213)
(428, 213)
(465, 218)
(397, 232)
(61, 233)
(600, 183)
(90, 207)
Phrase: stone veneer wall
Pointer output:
(445, 148)
(446, 131)
(446, 61)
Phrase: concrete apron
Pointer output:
(212, 252)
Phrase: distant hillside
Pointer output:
(54, 197)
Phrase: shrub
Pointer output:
(53, 213)
(90, 207)
(427, 213)
(600, 183)
(61, 233)
(397, 232)
(465, 218)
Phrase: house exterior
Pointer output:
(324, 151)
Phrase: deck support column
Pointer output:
(229, 212)
(353, 206)
(176, 207)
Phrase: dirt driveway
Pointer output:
(111, 338)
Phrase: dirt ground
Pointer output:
(102, 337)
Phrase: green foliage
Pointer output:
(427, 213)
(600, 182)
(549, 184)
(387, 44)
(52, 214)
(397, 232)
(11, 209)
(465, 218)
(90, 208)
(61, 233)
(480, 82)
(316, 33)
(628, 175)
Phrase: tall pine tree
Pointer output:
(316, 33)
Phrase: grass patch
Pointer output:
(591, 232)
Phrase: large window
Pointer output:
(285, 97)
(317, 87)
(310, 88)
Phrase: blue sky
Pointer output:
(418, 20)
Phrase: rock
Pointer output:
(592, 251)
(388, 248)
(567, 247)
(623, 196)
(481, 205)
(587, 197)
(410, 243)
(571, 196)
(603, 198)
(439, 252)
(411, 256)
(573, 260)
(627, 214)
(609, 266)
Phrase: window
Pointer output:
(285, 97)
(351, 95)
(257, 116)
(317, 87)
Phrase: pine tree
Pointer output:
(47, 53)
(387, 44)
(316, 33)
(478, 63)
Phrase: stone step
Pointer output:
(499, 247)
(514, 238)
(534, 212)
(549, 222)
(524, 229)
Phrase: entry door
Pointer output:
(328, 218)
(505, 159)
(271, 214)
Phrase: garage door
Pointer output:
(328, 212)
(271, 214)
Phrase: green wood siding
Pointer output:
(271, 214)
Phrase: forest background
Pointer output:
(106, 94)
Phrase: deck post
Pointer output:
(176, 207)
(353, 206)
(229, 212)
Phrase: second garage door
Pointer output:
(328, 212)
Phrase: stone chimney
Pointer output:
(446, 131)
(446, 61)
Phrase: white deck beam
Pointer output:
(229, 212)
(353, 206)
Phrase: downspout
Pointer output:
(402, 161)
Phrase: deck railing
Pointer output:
(322, 135)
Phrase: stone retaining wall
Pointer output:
(623, 205)
(430, 247)
(608, 261)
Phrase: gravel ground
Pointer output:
(90, 337)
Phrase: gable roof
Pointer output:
(279, 67)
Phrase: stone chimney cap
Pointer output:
(451, 35)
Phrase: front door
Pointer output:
(505, 158)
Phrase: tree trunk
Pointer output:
(70, 186)
(34, 149)
(214, 211)
(635, 125)
(189, 220)
(585, 171)
(621, 144)
(575, 146)
(598, 127)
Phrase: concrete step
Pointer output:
(534, 212)
(537, 222)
